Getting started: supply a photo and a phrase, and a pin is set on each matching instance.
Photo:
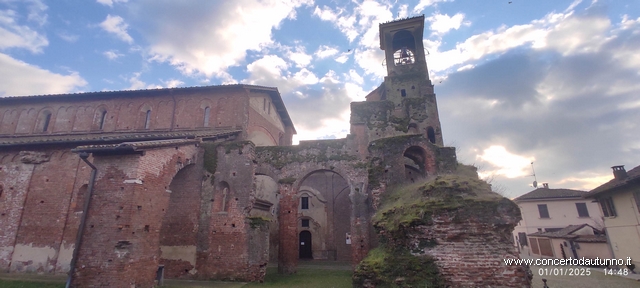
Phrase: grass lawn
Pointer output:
(25, 284)
(306, 277)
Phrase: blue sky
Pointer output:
(553, 82)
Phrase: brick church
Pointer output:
(203, 182)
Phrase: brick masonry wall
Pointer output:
(469, 250)
(180, 223)
(226, 254)
(288, 220)
(258, 122)
(14, 183)
(45, 209)
(42, 187)
(121, 242)
(170, 109)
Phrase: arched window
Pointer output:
(404, 48)
(431, 134)
(44, 121)
(103, 116)
(224, 196)
(100, 118)
(414, 163)
(207, 114)
(147, 120)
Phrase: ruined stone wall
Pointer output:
(327, 214)
(411, 115)
(42, 191)
(447, 231)
(229, 232)
(290, 166)
(180, 223)
(121, 242)
(469, 246)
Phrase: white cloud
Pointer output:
(504, 163)
(209, 37)
(117, 26)
(136, 83)
(172, 83)
(325, 51)
(361, 23)
(271, 70)
(112, 54)
(355, 77)
(346, 23)
(299, 56)
(443, 23)
(370, 61)
(68, 37)
(403, 11)
(305, 77)
(342, 58)
(15, 35)
(426, 3)
(18, 79)
(110, 2)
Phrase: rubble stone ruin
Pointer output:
(126, 187)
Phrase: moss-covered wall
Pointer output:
(451, 230)
(307, 151)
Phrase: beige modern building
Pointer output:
(550, 210)
(619, 200)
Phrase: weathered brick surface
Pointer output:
(45, 209)
(226, 254)
(170, 109)
(469, 251)
(180, 222)
(288, 219)
(14, 184)
(121, 241)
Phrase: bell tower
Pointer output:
(402, 42)
(407, 83)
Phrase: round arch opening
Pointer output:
(414, 163)
(324, 201)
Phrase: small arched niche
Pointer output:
(414, 163)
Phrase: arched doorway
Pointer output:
(324, 201)
(304, 242)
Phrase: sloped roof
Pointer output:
(633, 175)
(549, 193)
(567, 233)
(591, 238)
(135, 146)
(564, 232)
(113, 137)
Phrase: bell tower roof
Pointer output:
(410, 23)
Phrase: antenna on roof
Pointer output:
(535, 181)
